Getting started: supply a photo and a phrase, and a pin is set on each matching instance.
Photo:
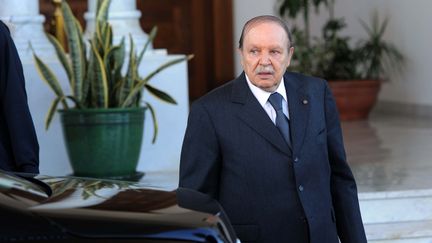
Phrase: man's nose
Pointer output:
(265, 60)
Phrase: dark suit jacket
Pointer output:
(19, 149)
(233, 152)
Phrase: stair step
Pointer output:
(401, 232)
(397, 216)
(396, 206)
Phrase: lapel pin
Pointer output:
(305, 102)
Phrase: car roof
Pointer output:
(93, 207)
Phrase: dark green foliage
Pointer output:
(335, 57)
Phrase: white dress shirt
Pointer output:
(262, 97)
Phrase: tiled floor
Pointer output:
(386, 153)
(390, 153)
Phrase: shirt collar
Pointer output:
(262, 95)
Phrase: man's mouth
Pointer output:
(265, 75)
(264, 72)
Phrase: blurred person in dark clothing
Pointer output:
(19, 148)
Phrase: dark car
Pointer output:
(71, 209)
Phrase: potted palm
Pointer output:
(102, 118)
(354, 72)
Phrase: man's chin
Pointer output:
(268, 87)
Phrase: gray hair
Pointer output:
(263, 19)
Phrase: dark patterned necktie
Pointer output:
(282, 122)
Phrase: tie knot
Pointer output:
(275, 100)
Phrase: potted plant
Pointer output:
(102, 118)
(354, 72)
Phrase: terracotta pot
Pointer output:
(355, 98)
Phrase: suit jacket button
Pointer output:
(305, 102)
(296, 159)
(301, 188)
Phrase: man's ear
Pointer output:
(290, 55)
(291, 52)
(240, 52)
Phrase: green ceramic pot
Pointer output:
(103, 142)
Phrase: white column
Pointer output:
(26, 25)
(124, 18)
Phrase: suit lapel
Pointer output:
(298, 104)
(251, 112)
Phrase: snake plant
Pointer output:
(94, 69)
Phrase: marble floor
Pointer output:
(390, 153)
(386, 153)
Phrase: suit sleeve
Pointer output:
(18, 121)
(343, 186)
(200, 156)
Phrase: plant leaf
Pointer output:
(138, 87)
(108, 37)
(128, 83)
(48, 76)
(365, 27)
(75, 101)
(160, 94)
(85, 86)
(61, 54)
(80, 34)
(75, 44)
(150, 39)
(119, 56)
(109, 61)
(98, 4)
(155, 123)
(52, 109)
(383, 27)
(99, 79)
(102, 11)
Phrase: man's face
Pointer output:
(265, 54)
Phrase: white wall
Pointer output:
(409, 29)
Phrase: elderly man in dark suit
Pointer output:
(19, 149)
(268, 146)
